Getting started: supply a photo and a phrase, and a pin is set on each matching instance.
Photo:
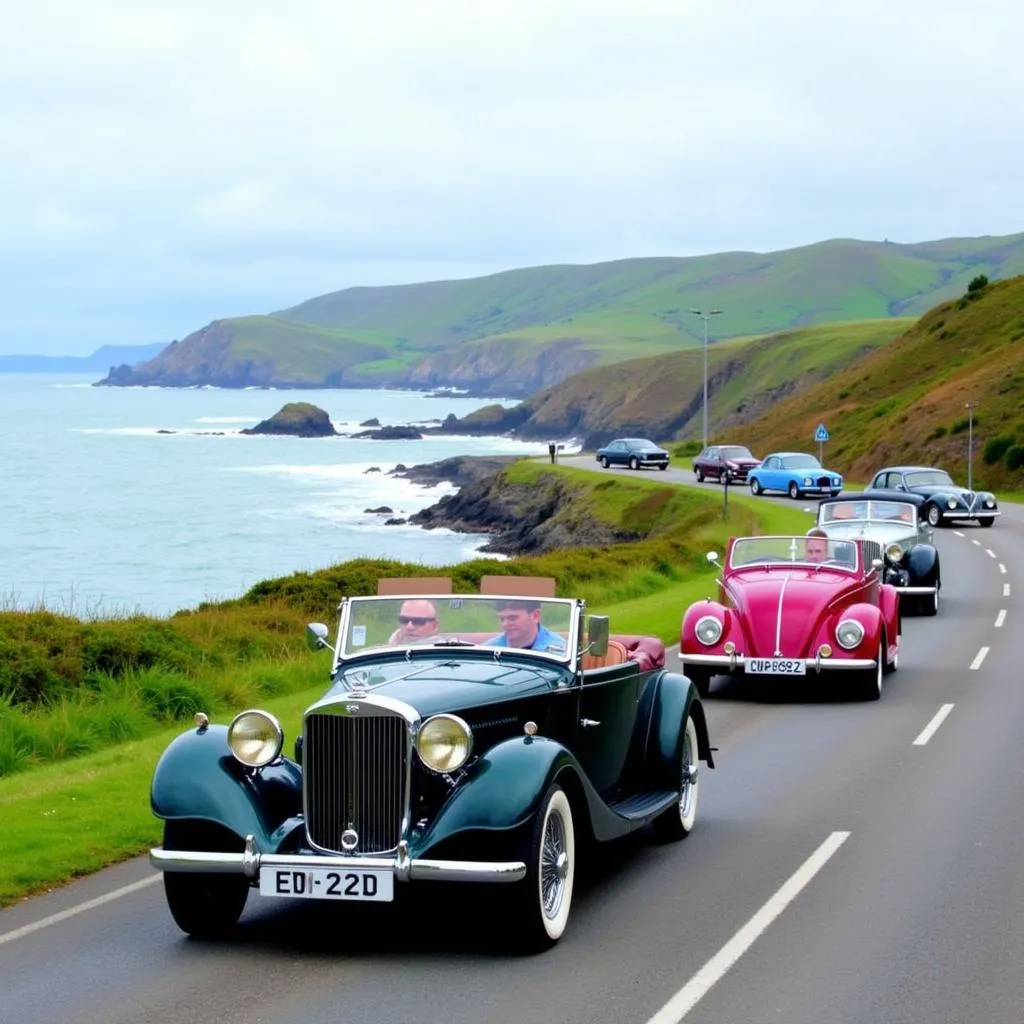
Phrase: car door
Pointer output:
(772, 469)
(712, 464)
(608, 707)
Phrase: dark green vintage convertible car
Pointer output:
(473, 738)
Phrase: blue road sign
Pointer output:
(821, 434)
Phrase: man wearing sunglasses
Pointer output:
(417, 621)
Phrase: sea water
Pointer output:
(115, 501)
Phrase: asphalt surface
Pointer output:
(912, 912)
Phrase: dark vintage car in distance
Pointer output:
(444, 749)
(946, 502)
(724, 461)
(634, 452)
(896, 521)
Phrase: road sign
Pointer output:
(821, 434)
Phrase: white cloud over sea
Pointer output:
(165, 164)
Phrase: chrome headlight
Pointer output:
(894, 553)
(990, 503)
(444, 743)
(808, 481)
(849, 633)
(708, 630)
(255, 738)
(951, 502)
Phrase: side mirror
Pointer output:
(597, 635)
(712, 557)
(316, 636)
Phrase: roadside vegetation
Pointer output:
(86, 707)
(907, 401)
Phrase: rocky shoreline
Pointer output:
(522, 519)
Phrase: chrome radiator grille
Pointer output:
(354, 772)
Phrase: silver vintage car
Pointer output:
(898, 523)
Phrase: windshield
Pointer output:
(864, 511)
(802, 550)
(801, 462)
(929, 476)
(736, 452)
(541, 625)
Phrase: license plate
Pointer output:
(776, 666)
(328, 884)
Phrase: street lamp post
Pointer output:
(705, 317)
(970, 444)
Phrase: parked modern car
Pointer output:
(471, 738)
(795, 474)
(946, 501)
(792, 607)
(724, 461)
(635, 452)
(896, 521)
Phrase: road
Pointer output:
(852, 863)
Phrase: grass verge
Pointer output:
(66, 819)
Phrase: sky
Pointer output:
(163, 165)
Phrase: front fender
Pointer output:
(198, 778)
(676, 698)
(503, 790)
(923, 565)
(869, 616)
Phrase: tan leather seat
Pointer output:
(615, 655)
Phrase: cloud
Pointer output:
(166, 164)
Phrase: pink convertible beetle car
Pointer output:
(791, 607)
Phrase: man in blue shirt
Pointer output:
(520, 620)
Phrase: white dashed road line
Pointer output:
(957, 533)
(932, 727)
(990, 553)
(978, 659)
(1002, 568)
(28, 929)
(701, 983)
(1006, 590)
(1001, 617)
(977, 543)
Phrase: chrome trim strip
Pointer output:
(952, 513)
(778, 618)
(405, 870)
(739, 660)
(914, 590)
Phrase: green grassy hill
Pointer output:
(523, 330)
(661, 396)
(906, 401)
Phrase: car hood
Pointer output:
(743, 463)
(786, 604)
(930, 490)
(882, 533)
(431, 685)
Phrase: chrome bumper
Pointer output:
(731, 662)
(914, 590)
(955, 513)
(405, 868)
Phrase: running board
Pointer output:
(642, 806)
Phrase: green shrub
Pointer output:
(995, 449)
(685, 448)
(1014, 457)
(977, 284)
(939, 431)
(961, 425)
